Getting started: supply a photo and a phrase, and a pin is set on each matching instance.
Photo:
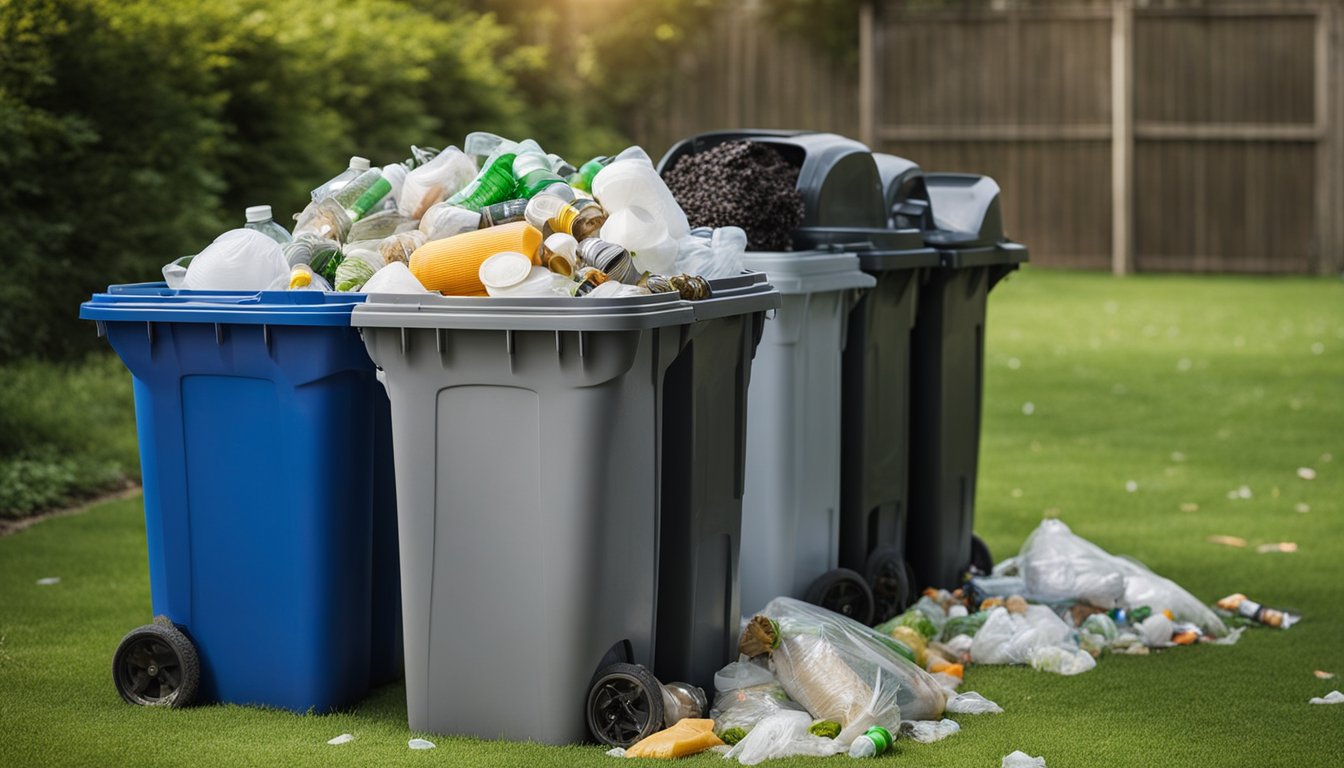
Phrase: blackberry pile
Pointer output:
(740, 184)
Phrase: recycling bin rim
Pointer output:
(901, 260)
(1005, 253)
(155, 302)
(795, 272)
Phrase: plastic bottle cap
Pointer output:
(359, 163)
(505, 270)
(258, 213)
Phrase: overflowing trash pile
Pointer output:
(497, 218)
(810, 682)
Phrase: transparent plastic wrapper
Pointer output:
(394, 278)
(379, 225)
(745, 695)
(1009, 638)
(361, 262)
(238, 260)
(400, 246)
(712, 253)
(436, 180)
(841, 670)
(1020, 759)
(1097, 632)
(929, 731)
(1059, 565)
(784, 735)
(1333, 697)
(325, 220)
(444, 220)
(972, 703)
(175, 271)
(1062, 661)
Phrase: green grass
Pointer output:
(67, 432)
(1261, 394)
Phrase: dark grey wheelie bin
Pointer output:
(948, 354)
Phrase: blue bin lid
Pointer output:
(156, 302)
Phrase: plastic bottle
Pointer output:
(580, 218)
(506, 212)
(259, 218)
(360, 196)
(328, 188)
(494, 184)
(583, 178)
(872, 743)
(532, 170)
(483, 147)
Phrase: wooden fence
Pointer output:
(1127, 135)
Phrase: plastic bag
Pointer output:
(1062, 661)
(841, 670)
(394, 278)
(439, 179)
(1008, 638)
(929, 731)
(444, 220)
(712, 253)
(1020, 759)
(783, 735)
(1059, 565)
(175, 271)
(746, 694)
(238, 260)
(631, 181)
(972, 703)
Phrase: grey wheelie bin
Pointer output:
(543, 542)
(875, 395)
(792, 517)
(948, 360)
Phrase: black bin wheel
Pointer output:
(889, 576)
(844, 592)
(982, 562)
(625, 704)
(157, 666)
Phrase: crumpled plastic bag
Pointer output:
(972, 703)
(929, 731)
(238, 260)
(1008, 638)
(1062, 661)
(395, 278)
(1059, 565)
(841, 670)
(783, 735)
(437, 180)
(1333, 697)
(746, 694)
(1020, 759)
(444, 220)
(712, 253)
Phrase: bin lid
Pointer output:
(156, 302)
(966, 210)
(1006, 252)
(793, 272)
(905, 192)
(837, 178)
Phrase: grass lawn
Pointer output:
(1152, 402)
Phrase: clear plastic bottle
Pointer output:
(360, 196)
(532, 170)
(259, 218)
(494, 184)
(331, 186)
(872, 743)
(506, 212)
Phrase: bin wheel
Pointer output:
(625, 704)
(157, 666)
(845, 592)
(889, 576)
(982, 562)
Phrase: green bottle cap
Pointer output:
(881, 738)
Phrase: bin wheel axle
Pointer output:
(156, 666)
(625, 704)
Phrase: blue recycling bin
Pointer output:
(270, 507)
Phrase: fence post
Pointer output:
(1330, 120)
(867, 75)
(1122, 137)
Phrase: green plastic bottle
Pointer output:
(583, 179)
(532, 170)
(494, 184)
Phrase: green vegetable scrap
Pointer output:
(826, 729)
(964, 625)
(731, 736)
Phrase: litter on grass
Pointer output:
(344, 738)
(420, 744)
(1021, 759)
(1323, 675)
(48, 581)
(929, 731)
(1333, 697)
(1280, 546)
(972, 703)
(1227, 541)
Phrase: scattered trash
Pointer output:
(1281, 546)
(1131, 486)
(1333, 697)
(746, 694)
(1021, 759)
(344, 738)
(1241, 605)
(1306, 473)
(783, 735)
(874, 741)
(1227, 541)
(688, 737)
(420, 744)
(1302, 508)
(972, 703)
(929, 731)
(1189, 506)
(1323, 675)
(48, 581)
(616, 752)
(1028, 408)
(1244, 492)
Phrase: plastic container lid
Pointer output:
(359, 163)
(257, 213)
(505, 270)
